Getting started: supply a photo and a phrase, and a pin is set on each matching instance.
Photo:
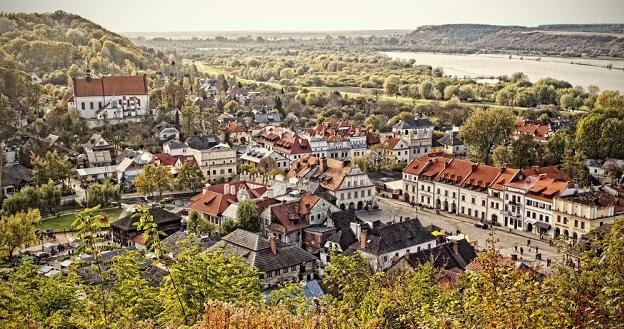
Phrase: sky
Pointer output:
(324, 15)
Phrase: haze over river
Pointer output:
(487, 65)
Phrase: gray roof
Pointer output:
(312, 289)
(161, 216)
(444, 256)
(175, 144)
(451, 139)
(16, 175)
(173, 243)
(344, 238)
(392, 237)
(162, 125)
(413, 124)
(203, 141)
(256, 250)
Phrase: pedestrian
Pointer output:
(536, 249)
(516, 248)
(528, 242)
(521, 251)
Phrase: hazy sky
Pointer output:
(226, 15)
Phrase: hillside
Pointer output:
(567, 40)
(54, 45)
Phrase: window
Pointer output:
(99, 105)
(82, 105)
(576, 223)
(483, 203)
(453, 195)
(463, 198)
(473, 201)
(583, 225)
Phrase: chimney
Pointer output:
(273, 245)
(504, 166)
(323, 164)
(232, 189)
(205, 189)
(226, 188)
(363, 236)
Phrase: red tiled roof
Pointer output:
(333, 175)
(455, 171)
(392, 142)
(549, 172)
(292, 144)
(164, 159)
(111, 86)
(214, 199)
(481, 177)
(507, 175)
(235, 127)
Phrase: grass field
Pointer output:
(63, 222)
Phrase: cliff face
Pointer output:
(568, 40)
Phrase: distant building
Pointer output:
(257, 154)
(14, 177)
(217, 160)
(115, 98)
(166, 131)
(417, 133)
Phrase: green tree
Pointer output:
(555, 147)
(103, 194)
(524, 152)
(50, 167)
(426, 89)
(501, 155)
(18, 229)
(203, 276)
(486, 129)
(391, 85)
(198, 225)
(572, 165)
(247, 216)
(190, 176)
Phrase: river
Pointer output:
(593, 72)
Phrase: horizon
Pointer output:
(325, 15)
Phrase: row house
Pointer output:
(257, 154)
(216, 160)
(577, 214)
(340, 182)
(398, 148)
(536, 128)
(516, 199)
(292, 146)
(417, 133)
(338, 140)
(287, 220)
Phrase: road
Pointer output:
(505, 242)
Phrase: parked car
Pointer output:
(481, 225)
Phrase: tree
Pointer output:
(201, 277)
(190, 176)
(266, 165)
(46, 198)
(198, 225)
(18, 229)
(50, 167)
(486, 129)
(152, 179)
(378, 157)
(103, 194)
(190, 119)
(248, 216)
(391, 85)
(610, 99)
(572, 165)
(501, 155)
(523, 152)
(426, 89)
(555, 147)
(290, 121)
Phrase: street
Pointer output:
(506, 242)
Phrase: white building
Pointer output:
(115, 98)
(256, 154)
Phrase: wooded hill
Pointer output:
(566, 40)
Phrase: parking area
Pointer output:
(506, 242)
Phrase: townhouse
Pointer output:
(216, 160)
(417, 133)
(577, 214)
(340, 182)
(398, 148)
(292, 146)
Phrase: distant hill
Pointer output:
(54, 44)
(563, 39)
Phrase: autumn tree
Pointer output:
(153, 179)
(572, 165)
(18, 229)
(391, 85)
(50, 167)
(190, 176)
(247, 216)
(484, 130)
(103, 194)
(198, 225)
(523, 152)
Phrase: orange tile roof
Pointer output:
(547, 188)
(538, 131)
(392, 142)
(507, 175)
(455, 171)
(481, 177)
(550, 172)
(111, 86)
(292, 144)
(213, 200)
(331, 178)
(235, 127)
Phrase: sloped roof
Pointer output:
(111, 86)
(161, 216)
(331, 178)
(344, 238)
(412, 124)
(292, 144)
(444, 256)
(451, 139)
(256, 250)
(203, 141)
(16, 175)
(165, 159)
(392, 237)
(455, 171)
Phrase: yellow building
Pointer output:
(577, 214)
